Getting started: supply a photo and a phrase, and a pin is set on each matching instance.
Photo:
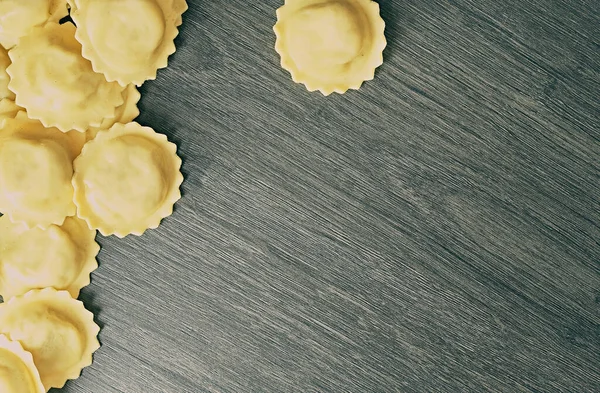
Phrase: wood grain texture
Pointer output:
(436, 231)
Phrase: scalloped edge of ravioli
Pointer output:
(124, 114)
(179, 7)
(72, 114)
(56, 303)
(147, 67)
(16, 349)
(172, 192)
(372, 59)
(57, 9)
(86, 250)
(21, 127)
(5, 92)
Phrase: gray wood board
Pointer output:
(436, 231)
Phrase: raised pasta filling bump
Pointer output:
(330, 45)
(18, 373)
(61, 257)
(131, 40)
(126, 180)
(56, 329)
(56, 85)
(35, 172)
(18, 17)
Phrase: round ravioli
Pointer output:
(126, 180)
(124, 114)
(18, 373)
(129, 40)
(61, 257)
(330, 45)
(56, 85)
(18, 17)
(36, 167)
(56, 329)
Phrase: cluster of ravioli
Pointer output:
(73, 162)
(330, 45)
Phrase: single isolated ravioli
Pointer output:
(36, 167)
(18, 17)
(56, 85)
(61, 257)
(330, 45)
(126, 180)
(56, 329)
(18, 373)
(128, 40)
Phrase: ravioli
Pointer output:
(126, 180)
(73, 161)
(56, 329)
(18, 373)
(124, 114)
(61, 257)
(129, 40)
(18, 17)
(36, 167)
(330, 45)
(56, 85)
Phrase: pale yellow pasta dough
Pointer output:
(56, 85)
(18, 373)
(179, 7)
(8, 109)
(36, 171)
(4, 78)
(330, 45)
(61, 257)
(56, 329)
(129, 40)
(124, 114)
(126, 180)
(18, 17)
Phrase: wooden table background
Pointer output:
(436, 231)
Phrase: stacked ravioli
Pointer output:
(73, 162)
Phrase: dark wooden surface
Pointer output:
(436, 231)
